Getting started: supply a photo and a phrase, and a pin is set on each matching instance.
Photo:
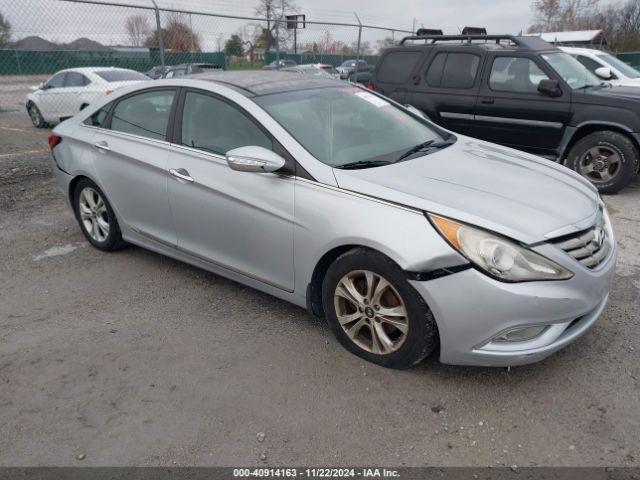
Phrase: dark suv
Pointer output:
(521, 92)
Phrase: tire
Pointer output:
(364, 319)
(607, 159)
(96, 217)
(36, 116)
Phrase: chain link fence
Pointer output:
(41, 37)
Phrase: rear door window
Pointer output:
(397, 66)
(453, 70)
(144, 114)
(75, 79)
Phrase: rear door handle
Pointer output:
(487, 100)
(181, 173)
(102, 146)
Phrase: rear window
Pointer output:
(396, 67)
(121, 75)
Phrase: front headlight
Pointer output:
(497, 256)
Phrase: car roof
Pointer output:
(263, 82)
(583, 51)
(95, 69)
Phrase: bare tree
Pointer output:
(137, 28)
(620, 22)
(274, 12)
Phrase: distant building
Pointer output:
(579, 37)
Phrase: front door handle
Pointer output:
(181, 173)
(487, 100)
(416, 80)
(102, 146)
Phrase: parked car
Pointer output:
(309, 69)
(189, 69)
(520, 92)
(361, 76)
(156, 72)
(69, 91)
(606, 66)
(349, 66)
(407, 238)
(278, 64)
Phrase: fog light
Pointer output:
(521, 334)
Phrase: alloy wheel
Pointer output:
(34, 115)
(93, 213)
(371, 312)
(600, 164)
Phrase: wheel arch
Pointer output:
(588, 128)
(314, 288)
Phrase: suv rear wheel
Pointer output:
(607, 159)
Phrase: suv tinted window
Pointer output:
(215, 126)
(397, 66)
(75, 79)
(460, 70)
(453, 70)
(145, 114)
(515, 74)
(98, 118)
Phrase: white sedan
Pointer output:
(69, 91)
(606, 66)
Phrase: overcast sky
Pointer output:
(64, 21)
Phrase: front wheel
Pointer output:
(375, 313)
(607, 159)
(36, 117)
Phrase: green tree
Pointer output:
(233, 46)
(5, 31)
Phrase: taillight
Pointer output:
(370, 87)
(109, 91)
(54, 140)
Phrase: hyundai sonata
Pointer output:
(408, 239)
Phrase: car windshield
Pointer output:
(120, 75)
(626, 70)
(329, 69)
(348, 63)
(571, 70)
(344, 125)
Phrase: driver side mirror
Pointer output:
(604, 73)
(550, 88)
(254, 159)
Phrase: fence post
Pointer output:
(159, 34)
(355, 75)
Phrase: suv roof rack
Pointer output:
(468, 38)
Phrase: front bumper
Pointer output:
(471, 308)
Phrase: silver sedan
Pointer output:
(408, 239)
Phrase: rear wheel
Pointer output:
(36, 117)
(96, 217)
(375, 313)
(607, 159)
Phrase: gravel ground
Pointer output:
(131, 358)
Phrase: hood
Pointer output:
(608, 92)
(518, 195)
(627, 82)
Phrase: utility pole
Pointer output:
(159, 33)
(355, 76)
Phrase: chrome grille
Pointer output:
(590, 247)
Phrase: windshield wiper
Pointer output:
(425, 145)
(363, 164)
